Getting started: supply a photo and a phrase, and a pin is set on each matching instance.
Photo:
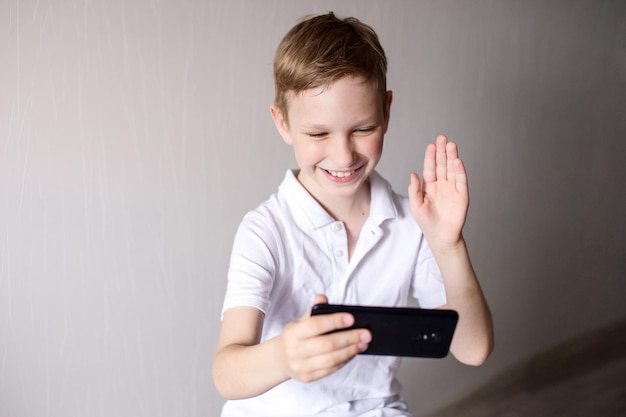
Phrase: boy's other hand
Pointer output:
(310, 351)
(439, 203)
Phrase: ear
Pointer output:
(388, 109)
(280, 123)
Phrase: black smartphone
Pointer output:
(401, 331)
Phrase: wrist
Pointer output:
(445, 249)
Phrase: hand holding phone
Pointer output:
(401, 331)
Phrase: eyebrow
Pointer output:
(373, 120)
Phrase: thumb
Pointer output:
(320, 299)
(416, 196)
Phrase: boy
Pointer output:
(336, 232)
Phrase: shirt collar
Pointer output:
(382, 206)
(310, 214)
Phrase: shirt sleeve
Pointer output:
(252, 264)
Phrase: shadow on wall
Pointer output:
(580, 377)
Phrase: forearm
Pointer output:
(241, 371)
(473, 340)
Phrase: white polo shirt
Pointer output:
(288, 250)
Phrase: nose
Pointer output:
(343, 154)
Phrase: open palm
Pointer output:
(439, 204)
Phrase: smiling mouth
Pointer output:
(341, 174)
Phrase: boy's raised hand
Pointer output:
(439, 203)
(310, 352)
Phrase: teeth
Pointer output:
(341, 174)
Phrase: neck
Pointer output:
(349, 208)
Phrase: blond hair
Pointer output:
(321, 49)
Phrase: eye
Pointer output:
(316, 135)
(365, 130)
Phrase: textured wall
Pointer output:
(134, 135)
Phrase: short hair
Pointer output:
(321, 49)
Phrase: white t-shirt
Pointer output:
(288, 250)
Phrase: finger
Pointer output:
(316, 374)
(460, 177)
(441, 159)
(328, 362)
(346, 340)
(321, 324)
(321, 366)
(339, 345)
(320, 299)
(430, 174)
(416, 197)
(451, 154)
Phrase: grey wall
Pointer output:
(134, 136)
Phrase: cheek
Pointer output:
(307, 153)
(373, 148)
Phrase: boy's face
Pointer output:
(336, 134)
